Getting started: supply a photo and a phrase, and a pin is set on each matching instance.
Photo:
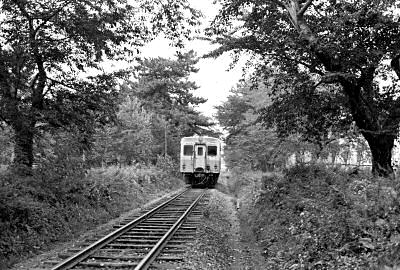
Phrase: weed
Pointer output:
(52, 206)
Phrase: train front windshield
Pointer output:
(212, 150)
(187, 150)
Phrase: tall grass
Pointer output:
(312, 217)
(49, 207)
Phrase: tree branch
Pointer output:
(292, 9)
(62, 84)
(335, 77)
(395, 64)
(395, 111)
(23, 9)
(279, 3)
(48, 18)
(34, 80)
(285, 56)
(304, 8)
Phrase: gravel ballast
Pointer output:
(220, 243)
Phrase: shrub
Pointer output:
(316, 218)
(53, 206)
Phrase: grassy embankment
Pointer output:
(38, 211)
(318, 218)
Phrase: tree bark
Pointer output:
(23, 148)
(381, 146)
(359, 91)
(379, 137)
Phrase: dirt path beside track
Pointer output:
(221, 241)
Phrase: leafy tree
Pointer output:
(164, 85)
(135, 136)
(314, 116)
(256, 147)
(129, 139)
(45, 46)
(231, 113)
(266, 132)
(249, 144)
(343, 42)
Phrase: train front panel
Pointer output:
(200, 162)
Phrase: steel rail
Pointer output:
(153, 253)
(85, 253)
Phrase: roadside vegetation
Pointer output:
(312, 114)
(41, 210)
(84, 175)
(311, 217)
(81, 142)
(322, 65)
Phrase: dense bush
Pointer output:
(324, 219)
(315, 218)
(53, 206)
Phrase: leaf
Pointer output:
(366, 243)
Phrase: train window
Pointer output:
(188, 150)
(212, 150)
(200, 151)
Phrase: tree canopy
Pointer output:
(48, 49)
(164, 87)
(318, 116)
(157, 107)
(353, 45)
(249, 144)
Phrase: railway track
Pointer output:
(154, 240)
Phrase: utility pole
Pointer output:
(165, 139)
(165, 143)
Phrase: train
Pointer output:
(200, 160)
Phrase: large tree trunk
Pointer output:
(381, 146)
(378, 123)
(23, 148)
(379, 137)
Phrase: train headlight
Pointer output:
(208, 167)
(183, 166)
(216, 167)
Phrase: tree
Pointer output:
(164, 88)
(129, 139)
(346, 43)
(135, 138)
(231, 113)
(46, 46)
(314, 116)
(250, 144)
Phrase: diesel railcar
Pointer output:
(200, 160)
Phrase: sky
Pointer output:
(213, 78)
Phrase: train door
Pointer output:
(200, 157)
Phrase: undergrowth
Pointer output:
(50, 206)
(317, 218)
